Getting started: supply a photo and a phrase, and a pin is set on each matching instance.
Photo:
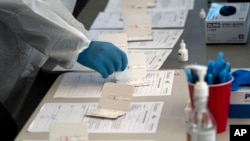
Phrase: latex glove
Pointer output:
(241, 78)
(104, 57)
(218, 71)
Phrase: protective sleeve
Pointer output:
(52, 31)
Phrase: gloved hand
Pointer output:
(241, 78)
(104, 57)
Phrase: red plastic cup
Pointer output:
(218, 102)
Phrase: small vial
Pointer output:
(202, 14)
(183, 52)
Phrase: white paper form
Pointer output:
(159, 19)
(174, 4)
(154, 59)
(163, 39)
(81, 85)
(142, 117)
(87, 85)
(160, 84)
(115, 5)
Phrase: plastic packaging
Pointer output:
(201, 125)
(183, 52)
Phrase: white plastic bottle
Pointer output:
(201, 125)
(202, 14)
(183, 52)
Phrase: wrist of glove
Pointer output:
(241, 78)
(104, 57)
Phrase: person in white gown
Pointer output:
(31, 31)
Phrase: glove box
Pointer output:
(240, 103)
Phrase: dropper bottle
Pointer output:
(201, 125)
(183, 52)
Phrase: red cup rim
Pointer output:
(216, 85)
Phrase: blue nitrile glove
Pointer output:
(218, 71)
(209, 75)
(191, 74)
(188, 74)
(218, 66)
(225, 74)
(241, 78)
(104, 57)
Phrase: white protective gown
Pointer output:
(31, 31)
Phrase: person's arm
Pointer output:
(60, 36)
(45, 30)
(103, 57)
